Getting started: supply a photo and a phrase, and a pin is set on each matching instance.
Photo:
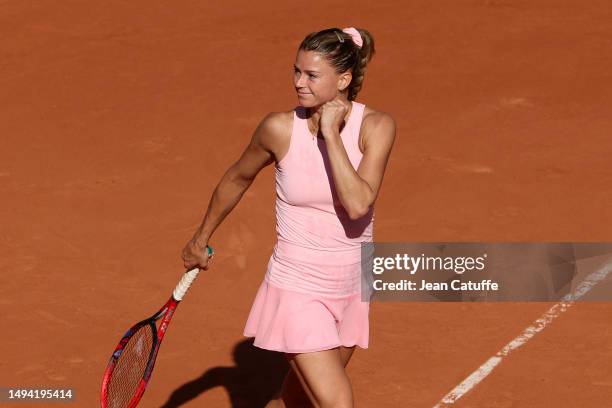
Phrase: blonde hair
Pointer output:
(342, 53)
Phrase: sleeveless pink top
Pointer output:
(318, 247)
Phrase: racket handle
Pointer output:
(188, 279)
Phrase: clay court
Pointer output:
(117, 120)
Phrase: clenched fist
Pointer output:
(195, 255)
(332, 116)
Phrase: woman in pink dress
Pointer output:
(330, 155)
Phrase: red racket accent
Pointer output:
(131, 364)
(130, 367)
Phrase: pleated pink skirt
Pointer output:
(308, 304)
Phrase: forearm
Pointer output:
(226, 196)
(354, 193)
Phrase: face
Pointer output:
(315, 80)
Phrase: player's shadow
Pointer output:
(251, 383)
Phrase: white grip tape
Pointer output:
(188, 279)
(184, 284)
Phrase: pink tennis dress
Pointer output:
(310, 298)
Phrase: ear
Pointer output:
(344, 80)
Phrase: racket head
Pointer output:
(131, 364)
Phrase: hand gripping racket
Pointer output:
(130, 367)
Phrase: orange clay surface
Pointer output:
(118, 118)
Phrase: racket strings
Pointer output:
(130, 367)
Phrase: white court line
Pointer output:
(484, 370)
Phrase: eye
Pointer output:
(312, 76)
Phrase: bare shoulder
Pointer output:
(376, 127)
(274, 125)
(374, 118)
(274, 132)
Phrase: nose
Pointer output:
(298, 80)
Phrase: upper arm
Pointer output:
(260, 151)
(378, 140)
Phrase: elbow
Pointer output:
(358, 208)
(234, 176)
(357, 212)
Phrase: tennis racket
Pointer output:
(130, 367)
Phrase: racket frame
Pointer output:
(166, 313)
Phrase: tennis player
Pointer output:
(330, 155)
